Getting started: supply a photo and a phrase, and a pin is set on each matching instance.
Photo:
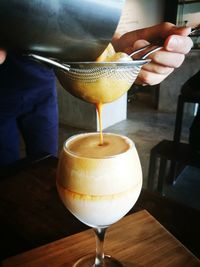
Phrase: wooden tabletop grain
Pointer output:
(136, 240)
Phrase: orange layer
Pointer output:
(79, 196)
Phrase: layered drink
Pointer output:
(99, 183)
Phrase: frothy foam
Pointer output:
(89, 146)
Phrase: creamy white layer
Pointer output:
(100, 210)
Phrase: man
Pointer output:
(40, 125)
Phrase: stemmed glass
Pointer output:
(99, 184)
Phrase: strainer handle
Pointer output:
(51, 62)
(151, 51)
(154, 49)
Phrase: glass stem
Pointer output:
(100, 235)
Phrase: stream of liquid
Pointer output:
(99, 107)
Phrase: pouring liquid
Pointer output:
(99, 107)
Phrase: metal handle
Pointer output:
(49, 61)
(156, 48)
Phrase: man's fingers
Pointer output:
(179, 44)
(151, 34)
(162, 31)
(162, 57)
(157, 68)
(147, 77)
(136, 45)
(167, 59)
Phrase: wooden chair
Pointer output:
(173, 151)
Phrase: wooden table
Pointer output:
(136, 240)
(32, 215)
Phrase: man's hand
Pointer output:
(2, 56)
(176, 45)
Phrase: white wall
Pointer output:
(139, 14)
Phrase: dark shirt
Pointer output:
(20, 73)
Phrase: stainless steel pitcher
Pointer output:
(70, 30)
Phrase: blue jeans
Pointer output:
(33, 114)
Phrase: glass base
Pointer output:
(88, 261)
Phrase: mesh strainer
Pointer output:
(92, 71)
(99, 81)
(92, 74)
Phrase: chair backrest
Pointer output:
(190, 92)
